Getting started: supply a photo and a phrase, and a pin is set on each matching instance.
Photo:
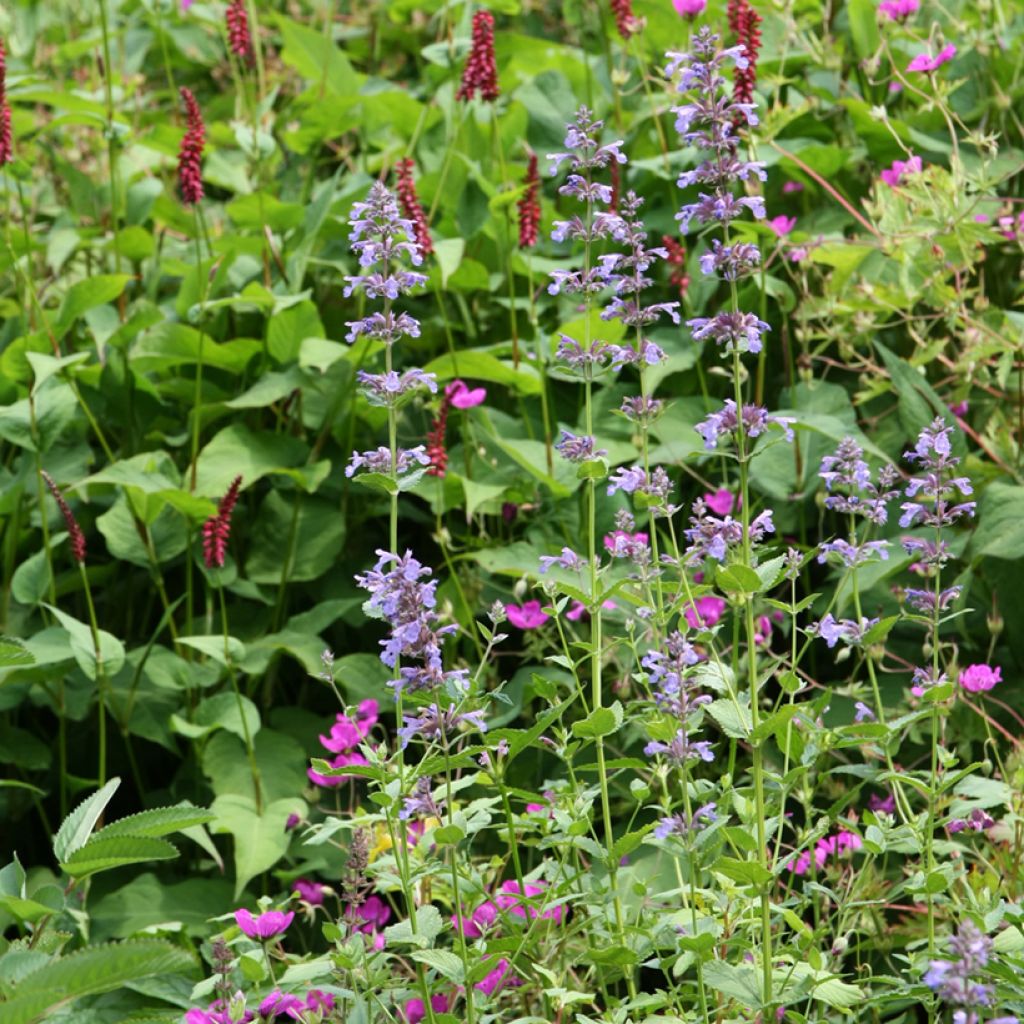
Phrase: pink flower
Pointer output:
(842, 842)
(704, 612)
(341, 761)
(311, 892)
(721, 502)
(495, 980)
(375, 914)
(689, 8)
(415, 1010)
(278, 1004)
(959, 409)
(976, 678)
(578, 610)
(528, 615)
(894, 175)
(481, 920)
(266, 926)
(793, 186)
(782, 225)
(925, 62)
(463, 397)
(899, 10)
(348, 733)
(509, 898)
(797, 254)
(762, 630)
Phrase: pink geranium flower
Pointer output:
(899, 10)
(977, 678)
(311, 892)
(528, 615)
(894, 175)
(721, 502)
(689, 8)
(782, 225)
(926, 62)
(830, 846)
(793, 186)
(463, 397)
(267, 925)
(416, 1010)
(578, 610)
(704, 612)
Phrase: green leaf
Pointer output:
(446, 963)
(863, 16)
(737, 981)
(213, 647)
(158, 821)
(14, 653)
(86, 295)
(111, 653)
(840, 994)
(238, 450)
(738, 578)
(220, 712)
(90, 971)
(735, 720)
(115, 852)
(76, 828)
(314, 56)
(1000, 531)
(600, 722)
(747, 871)
(449, 835)
(449, 254)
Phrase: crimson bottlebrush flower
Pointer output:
(677, 261)
(6, 146)
(190, 159)
(410, 201)
(75, 535)
(529, 206)
(481, 71)
(745, 22)
(217, 529)
(626, 21)
(437, 451)
(239, 39)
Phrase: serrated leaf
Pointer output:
(76, 828)
(738, 578)
(103, 968)
(446, 964)
(14, 653)
(600, 722)
(115, 852)
(746, 871)
(840, 994)
(158, 821)
(734, 719)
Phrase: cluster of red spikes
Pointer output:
(677, 261)
(239, 38)
(626, 21)
(6, 146)
(481, 71)
(75, 535)
(190, 159)
(529, 206)
(217, 529)
(410, 203)
(745, 23)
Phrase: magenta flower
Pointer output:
(782, 225)
(899, 10)
(463, 397)
(704, 612)
(267, 925)
(960, 409)
(689, 8)
(481, 920)
(495, 980)
(976, 678)
(528, 615)
(793, 186)
(721, 502)
(415, 1010)
(311, 892)
(578, 610)
(509, 898)
(343, 760)
(926, 62)
(279, 1004)
(841, 842)
(893, 176)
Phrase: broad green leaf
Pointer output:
(600, 722)
(90, 971)
(85, 295)
(14, 653)
(76, 828)
(315, 57)
(1000, 530)
(446, 963)
(474, 365)
(158, 821)
(236, 450)
(220, 712)
(734, 719)
(102, 854)
(111, 650)
(213, 647)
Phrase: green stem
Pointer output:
(101, 693)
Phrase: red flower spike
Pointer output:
(436, 450)
(746, 24)
(677, 261)
(217, 529)
(75, 534)
(190, 159)
(626, 21)
(239, 39)
(529, 206)
(481, 71)
(6, 146)
(410, 202)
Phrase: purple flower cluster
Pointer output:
(437, 723)
(847, 478)
(832, 630)
(712, 537)
(400, 596)
(955, 981)
(725, 422)
(680, 825)
(379, 461)
(937, 486)
(578, 449)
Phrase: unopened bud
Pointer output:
(995, 623)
